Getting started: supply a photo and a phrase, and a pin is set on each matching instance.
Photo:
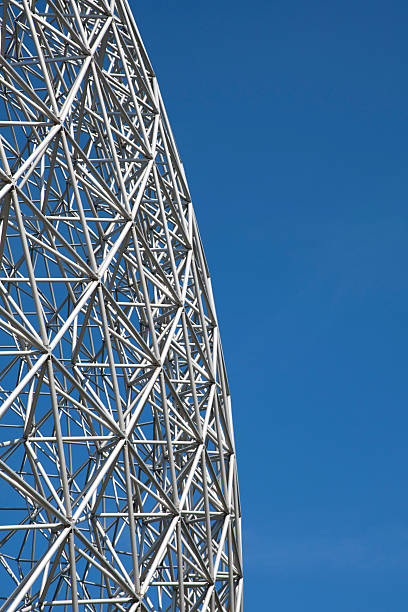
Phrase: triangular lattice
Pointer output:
(118, 481)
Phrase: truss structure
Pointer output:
(118, 483)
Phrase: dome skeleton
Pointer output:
(118, 480)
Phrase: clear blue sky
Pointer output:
(292, 122)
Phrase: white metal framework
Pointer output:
(118, 483)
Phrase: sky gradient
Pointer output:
(292, 122)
